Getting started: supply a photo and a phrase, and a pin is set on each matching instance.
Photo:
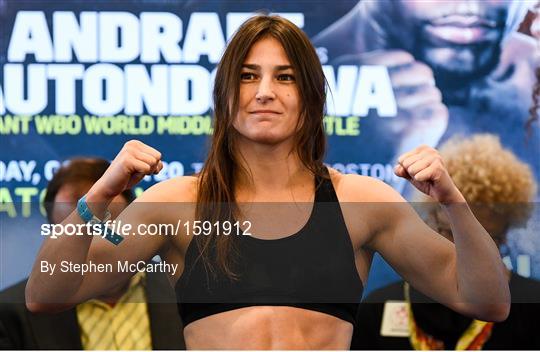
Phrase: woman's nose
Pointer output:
(265, 91)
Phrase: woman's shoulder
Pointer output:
(358, 188)
(177, 189)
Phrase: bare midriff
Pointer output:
(269, 327)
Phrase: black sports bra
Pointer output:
(312, 269)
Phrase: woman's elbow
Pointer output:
(38, 308)
(36, 304)
(33, 303)
(30, 298)
(496, 312)
(500, 312)
(498, 308)
(35, 307)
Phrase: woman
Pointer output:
(268, 146)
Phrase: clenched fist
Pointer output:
(134, 161)
(425, 169)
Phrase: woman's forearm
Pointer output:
(481, 274)
(49, 287)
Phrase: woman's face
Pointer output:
(269, 104)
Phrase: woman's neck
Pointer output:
(271, 170)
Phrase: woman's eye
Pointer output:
(286, 77)
(247, 76)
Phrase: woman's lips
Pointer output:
(264, 112)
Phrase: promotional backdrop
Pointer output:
(80, 78)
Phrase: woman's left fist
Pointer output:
(425, 169)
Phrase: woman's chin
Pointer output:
(266, 138)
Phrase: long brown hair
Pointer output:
(216, 197)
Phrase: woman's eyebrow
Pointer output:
(251, 66)
(283, 67)
(258, 67)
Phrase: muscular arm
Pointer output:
(467, 276)
(45, 292)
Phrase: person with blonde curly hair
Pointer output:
(500, 188)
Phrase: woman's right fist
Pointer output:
(134, 161)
